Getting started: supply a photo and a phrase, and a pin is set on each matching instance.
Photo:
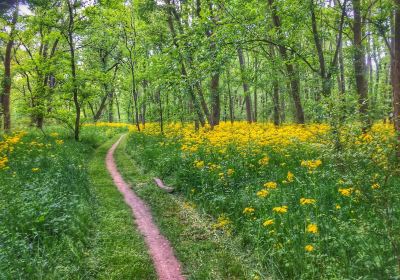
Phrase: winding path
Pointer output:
(166, 264)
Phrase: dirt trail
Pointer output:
(165, 262)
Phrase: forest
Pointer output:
(199, 139)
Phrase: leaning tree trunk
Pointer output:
(293, 75)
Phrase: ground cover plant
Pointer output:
(59, 210)
(308, 203)
(44, 206)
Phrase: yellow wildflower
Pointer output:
(271, 185)
(248, 210)
(59, 142)
(290, 177)
(375, 186)
(312, 228)
(199, 164)
(222, 223)
(35, 169)
(264, 161)
(309, 248)
(311, 164)
(280, 209)
(262, 193)
(3, 162)
(230, 172)
(268, 222)
(345, 192)
(305, 201)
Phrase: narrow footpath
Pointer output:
(167, 265)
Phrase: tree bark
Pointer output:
(255, 101)
(247, 98)
(71, 43)
(5, 97)
(360, 70)
(214, 86)
(276, 102)
(396, 71)
(293, 75)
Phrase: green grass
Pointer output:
(61, 217)
(45, 209)
(204, 253)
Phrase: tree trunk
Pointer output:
(342, 84)
(160, 110)
(215, 99)
(255, 101)
(396, 71)
(276, 102)
(171, 14)
(326, 89)
(111, 106)
(359, 64)
(118, 107)
(71, 43)
(5, 98)
(231, 101)
(214, 86)
(247, 98)
(293, 76)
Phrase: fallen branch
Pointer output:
(161, 185)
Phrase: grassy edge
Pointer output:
(118, 250)
(204, 253)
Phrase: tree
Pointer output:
(290, 68)
(5, 97)
(396, 69)
(360, 70)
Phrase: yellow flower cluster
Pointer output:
(305, 201)
(241, 134)
(346, 191)
(280, 209)
(264, 161)
(199, 164)
(268, 222)
(248, 210)
(309, 248)
(7, 146)
(290, 177)
(312, 228)
(3, 162)
(262, 193)
(271, 185)
(222, 223)
(311, 164)
(375, 186)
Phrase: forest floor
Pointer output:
(249, 203)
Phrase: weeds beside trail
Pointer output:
(203, 253)
(61, 216)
